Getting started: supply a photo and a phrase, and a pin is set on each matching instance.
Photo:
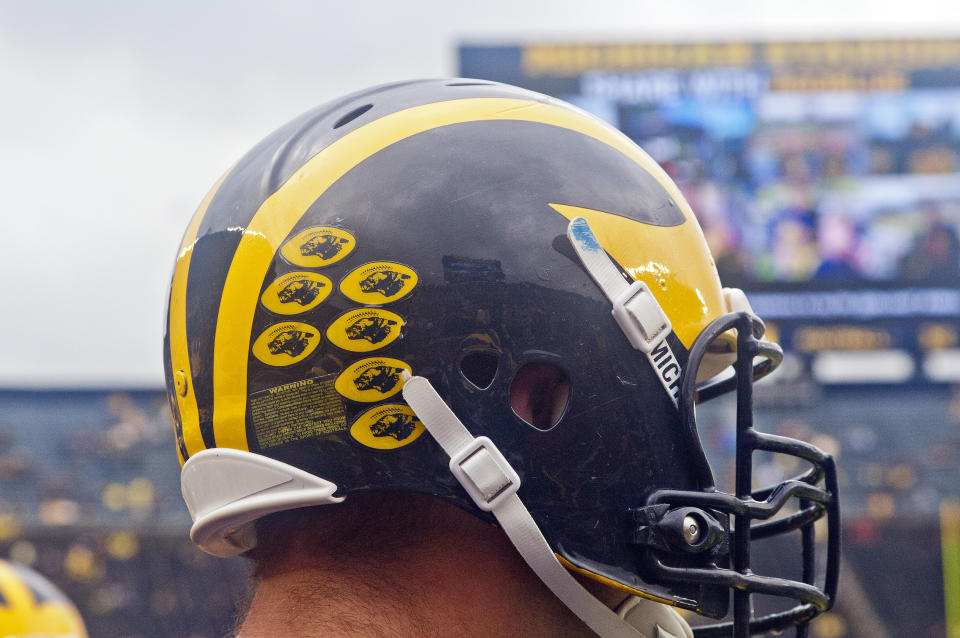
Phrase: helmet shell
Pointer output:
(415, 226)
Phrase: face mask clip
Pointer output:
(685, 529)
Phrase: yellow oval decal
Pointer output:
(283, 344)
(370, 380)
(364, 329)
(387, 427)
(378, 283)
(295, 292)
(318, 246)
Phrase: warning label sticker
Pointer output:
(296, 411)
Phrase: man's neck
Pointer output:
(461, 578)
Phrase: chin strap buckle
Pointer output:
(635, 308)
(640, 317)
(484, 473)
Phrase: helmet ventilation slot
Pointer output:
(352, 115)
(539, 394)
(479, 368)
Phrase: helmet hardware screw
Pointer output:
(691, 530)
(180, 382)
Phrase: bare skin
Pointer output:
(450, 575)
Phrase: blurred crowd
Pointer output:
(135, 583)
(898, 449)
(87, 457)
(89, 496)
(898, 455)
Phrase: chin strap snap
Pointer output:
(492, 483)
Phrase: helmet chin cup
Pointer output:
(676, 525)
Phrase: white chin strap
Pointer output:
(492, 484)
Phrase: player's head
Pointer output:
(456, 268)
(30, 605)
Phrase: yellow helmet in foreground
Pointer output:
(30, 605)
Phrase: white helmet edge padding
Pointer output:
(227, 490)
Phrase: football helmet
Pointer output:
(30, 605)
(470, 290)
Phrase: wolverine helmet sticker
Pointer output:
(318, 246)
(365, 329)
(295, 292)
(286, 343)
(379, 283)
(370, 380)
(387, 427)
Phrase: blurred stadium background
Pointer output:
(825, 176)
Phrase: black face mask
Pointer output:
(685, 537)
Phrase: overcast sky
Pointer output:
(116, 117)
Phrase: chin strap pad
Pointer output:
(492, 483)
(653, 619)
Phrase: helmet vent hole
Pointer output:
(479, 368)
(539, 394)
(352, 115)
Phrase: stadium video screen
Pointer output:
(811, 166)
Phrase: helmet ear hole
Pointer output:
(539, 394)
(479, 368)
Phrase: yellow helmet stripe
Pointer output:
(692, 303)
(179, 351)
(278, 215)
